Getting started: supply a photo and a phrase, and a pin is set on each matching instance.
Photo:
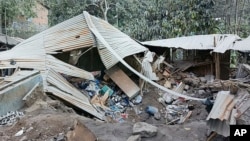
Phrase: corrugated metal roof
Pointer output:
(217, 119)
(225, 43)
(243, 45)
(9, 41)
(120, 42)
(199, 42)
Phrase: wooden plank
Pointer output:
(123, 81)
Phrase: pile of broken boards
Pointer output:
(228, 101)
(106, 96)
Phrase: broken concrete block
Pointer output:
(134, 138)
(144, 129)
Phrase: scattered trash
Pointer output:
(157, 116)
(137, 99)
(10, 118)
(20, 132)
(151, 110)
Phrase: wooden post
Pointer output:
(217, 65)
(217, 62)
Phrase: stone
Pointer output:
(24, 138)
(178, 77)
(168, 99)
(134, 138)
(144, 129)
(157, 116)
(60, 137)
(28, 130)
(186, 87)
(201, 92)
(203, 79)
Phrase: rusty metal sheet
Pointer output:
(123, 81)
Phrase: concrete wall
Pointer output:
(11, 97)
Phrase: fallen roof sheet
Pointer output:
(218, 118)
(199, 42)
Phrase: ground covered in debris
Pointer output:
(51, 120)
(49, 124)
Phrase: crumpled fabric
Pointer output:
(147, 68)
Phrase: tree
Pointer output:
(11, 9)
(143, 19)
(234, 16)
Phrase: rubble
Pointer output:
(134, 138)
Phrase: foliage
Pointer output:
(143, 19)
(11, 9)
(234, 16)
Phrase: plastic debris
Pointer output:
(151, 110)
(19, 133)
(137, 99)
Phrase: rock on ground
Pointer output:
(144, 129)
(134, 138)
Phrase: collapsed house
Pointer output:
(79, 45)
(199, 51)
(41, 53)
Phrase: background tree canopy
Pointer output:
(147, 19)
(10, 9)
